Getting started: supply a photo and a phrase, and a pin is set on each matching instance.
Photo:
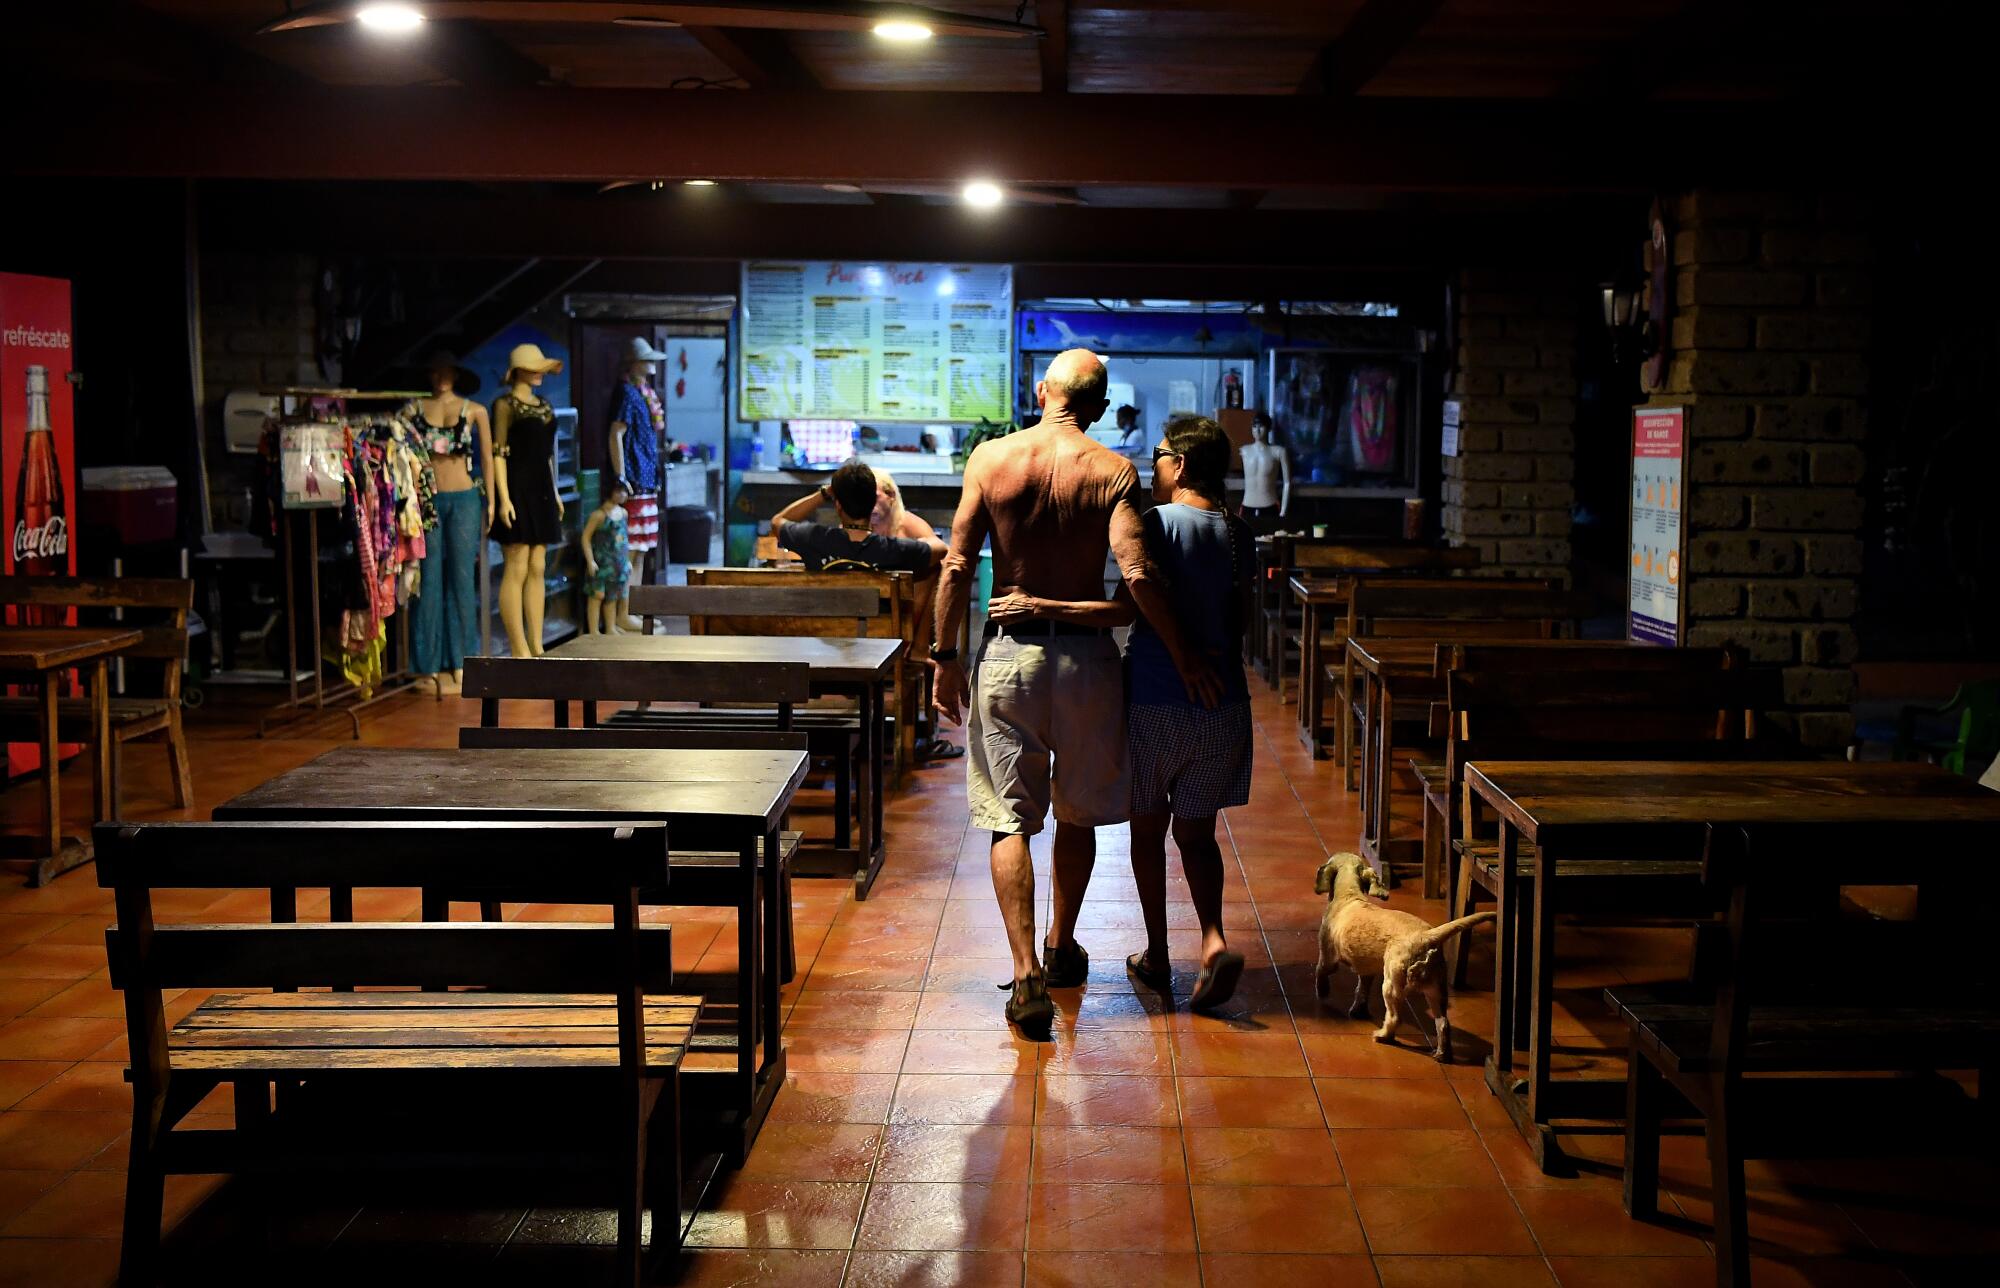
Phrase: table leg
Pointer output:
(748, 989)
(774, 914)
(1541, 948)
(869, 861)
(1371, 687)
(1503, 953)
(52, 837)
(103, 798)
(1309, 697)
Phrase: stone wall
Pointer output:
(1510, 488)
(259, 319)
(1770, 335)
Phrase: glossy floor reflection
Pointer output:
(919, 1142)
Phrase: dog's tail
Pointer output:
(1439, 936)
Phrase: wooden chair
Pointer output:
(164, 600)
(1659, 714)
(1456, 609)
(897, 619)
(1434, 776)
(1793, 1012)
(579, 1018)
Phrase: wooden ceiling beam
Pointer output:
(440, 221)
(1053, 16)
(1375, 34)
(761, 59)
(918, 138)
(478, 57)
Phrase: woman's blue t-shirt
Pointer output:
(1190, 549)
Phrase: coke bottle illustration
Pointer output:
(41, 528)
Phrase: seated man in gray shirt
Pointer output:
(852, 491)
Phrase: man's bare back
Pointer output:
(1053, 501)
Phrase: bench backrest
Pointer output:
(630, 738)
(856, 604)
(1604, 714)
(1362, 557)
(563, 680)
(162, 617)
(893, 619)
(1469, 608)
(599, 863)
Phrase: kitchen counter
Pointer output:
(805, 480)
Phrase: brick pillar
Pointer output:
(1770, 332)
(1509, 490)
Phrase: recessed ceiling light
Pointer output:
(697, 183)
(396, 19)
(902, 32)
(981, 194)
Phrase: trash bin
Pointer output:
(688, 528)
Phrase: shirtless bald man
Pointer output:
(1048, 714)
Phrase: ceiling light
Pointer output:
(395, 19)
(981, 194)
(902, 32)
(697, 183)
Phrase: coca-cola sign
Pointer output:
(49, 541)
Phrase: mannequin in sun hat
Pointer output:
(638, 420)
(450, 427)
(529, 513)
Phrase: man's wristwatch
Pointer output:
(944, 654)
(825, 492)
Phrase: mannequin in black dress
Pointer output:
(530, 512)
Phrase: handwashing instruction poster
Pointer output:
(1657, 495)
(829, 340)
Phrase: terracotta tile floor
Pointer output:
(920, 1142)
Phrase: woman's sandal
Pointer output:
(1160, 979)
(1217, 983)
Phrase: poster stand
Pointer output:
(1658, 551)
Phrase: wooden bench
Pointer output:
(165, 601)
(1434, 776)
(578, 1017)
(1706, 712)
(896, 618)
(1786, 994)
(1456, 609)
(1340, 559)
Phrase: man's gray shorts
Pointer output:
(1047, 727)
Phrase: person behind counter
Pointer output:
(1131, 434)
(852, 489)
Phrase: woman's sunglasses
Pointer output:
(1162, 452)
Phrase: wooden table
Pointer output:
(1314, 596)
(1578, 812)
(33, 655)
(857, 668)
(710, 800)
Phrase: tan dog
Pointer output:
(1406, 951)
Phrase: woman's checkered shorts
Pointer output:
(1194, 760)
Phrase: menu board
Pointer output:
(1658, 440)
(831, 340)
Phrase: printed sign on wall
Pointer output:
(1658, 495)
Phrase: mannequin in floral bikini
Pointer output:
(444, 627)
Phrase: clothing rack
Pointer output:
(325, 697)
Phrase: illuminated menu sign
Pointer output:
(876, 342)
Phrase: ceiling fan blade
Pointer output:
(781, 15)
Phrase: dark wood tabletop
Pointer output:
(838, 661)
(1542, 797)
(1394, 654)
(50, 648)
(1319, 590)
(710, 799)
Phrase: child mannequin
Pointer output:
(607, 562)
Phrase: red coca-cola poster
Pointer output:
(38, 446)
